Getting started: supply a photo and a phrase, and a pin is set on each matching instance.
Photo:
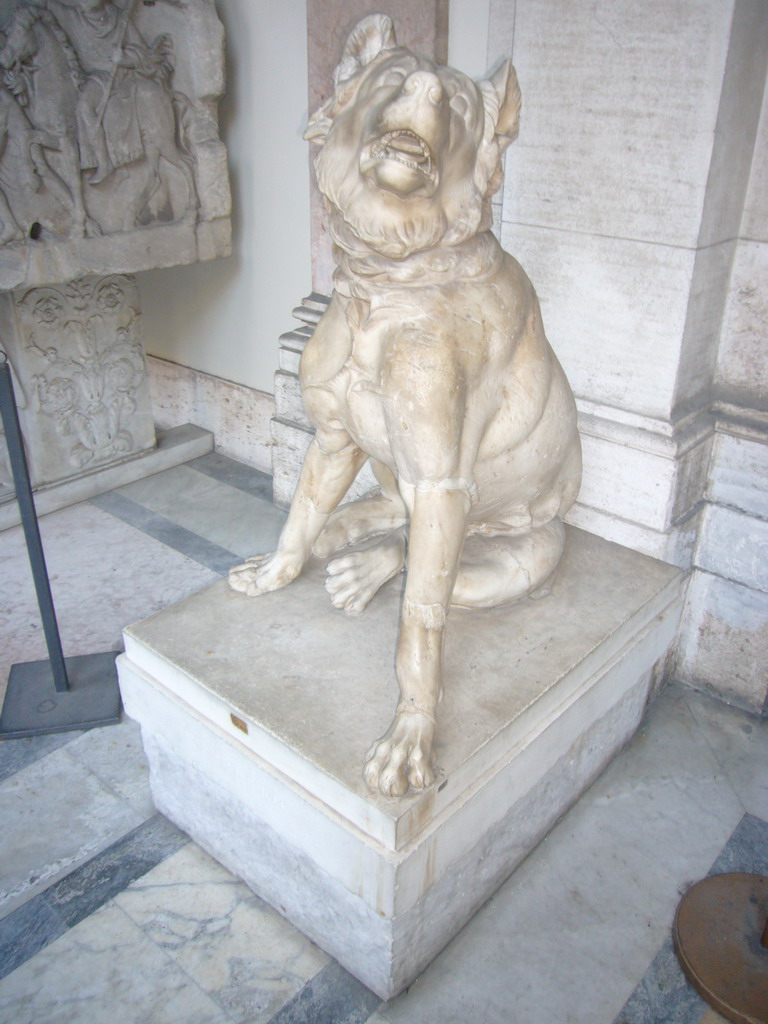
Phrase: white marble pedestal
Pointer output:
(257, 714)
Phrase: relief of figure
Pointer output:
(42, 73)
(432, 362)
(88, 79)
(16, 164)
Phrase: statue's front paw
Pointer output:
(403, 757)
(261, 574)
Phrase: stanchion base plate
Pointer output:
(717, 933)
(33, 706)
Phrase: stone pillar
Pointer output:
(625, 201)
(423, 27)
(724, 644)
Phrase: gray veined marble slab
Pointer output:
(256, 715)
(83, 815)
(105, 969)
(235, 947)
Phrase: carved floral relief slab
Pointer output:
(80, 377)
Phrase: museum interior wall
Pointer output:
(634, 198)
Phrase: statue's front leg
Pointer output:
(326, 475)
(403, 757)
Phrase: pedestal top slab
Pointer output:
(314, 687)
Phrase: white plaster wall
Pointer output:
(224, 317)
(468, 36)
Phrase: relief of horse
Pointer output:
(42, 71)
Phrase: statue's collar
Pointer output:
(362, 273)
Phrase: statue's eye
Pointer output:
(460, 104)
(392, 78)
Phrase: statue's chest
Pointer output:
(366, 406)
(381, 377)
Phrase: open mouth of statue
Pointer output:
(405, 148)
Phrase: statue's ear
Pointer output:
(370, 37)
(501, 93)
(366, 41)
(501, 100)
(319, 123)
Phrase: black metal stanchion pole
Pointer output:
(21, 482)
(54, 695)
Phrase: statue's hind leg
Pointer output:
(368, 538)
(501, 569)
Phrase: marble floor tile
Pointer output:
(111, 576)
(740, 744)
(566, 939)
(26, 931)
(239, 950)
(333, 996)
(55, 815)
(105, 971)
(90, 886)
(174, 537)
(236, 474)
(166, 491)
(115, 754)
(46, 916)
(663, 993)
(226, 515)
(17, 754)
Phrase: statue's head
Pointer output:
(411, 151)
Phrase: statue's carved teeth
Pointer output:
(407, 148)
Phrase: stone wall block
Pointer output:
(636, 485)
(289, 446)
(237, 416)
(620, 102)
(738, 118)
(288, 403)
(698, 347)
(754, 224)
(742, 370)
(739, 475)
(724, 640)
(614, 311)
(173, 389)
(734, 545)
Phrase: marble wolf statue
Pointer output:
(432, 362)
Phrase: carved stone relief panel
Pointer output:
(79, 374)
(110, 159)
